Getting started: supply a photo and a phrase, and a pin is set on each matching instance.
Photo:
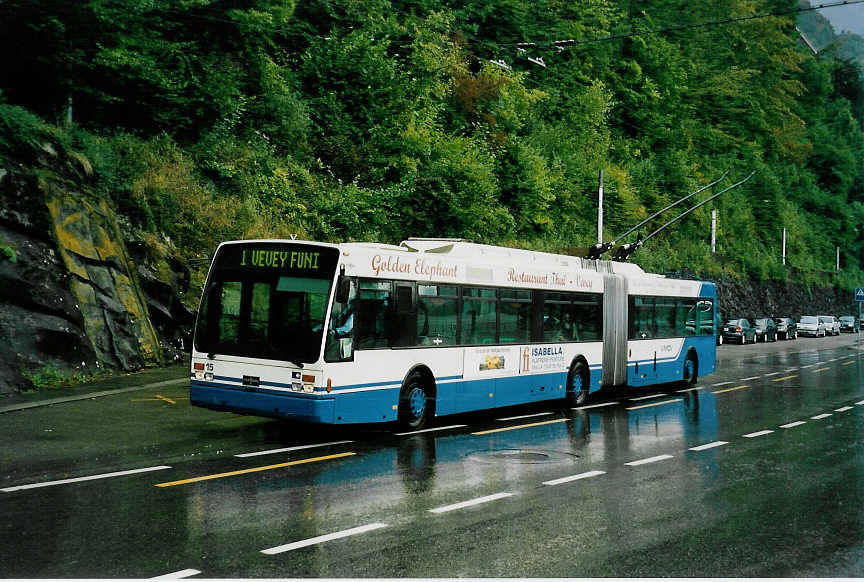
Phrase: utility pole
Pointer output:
(784, 246)
(600, 210)
(713, 231)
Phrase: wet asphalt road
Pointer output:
(636, 484)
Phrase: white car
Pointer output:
(811, 325)
(832, 326)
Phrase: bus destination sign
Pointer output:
(294, 259)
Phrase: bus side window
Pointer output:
(372, 316)
(340, 334)
(437, 315)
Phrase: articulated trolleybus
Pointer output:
(362, 332)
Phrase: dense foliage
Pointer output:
(206, 120)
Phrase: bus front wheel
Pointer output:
(415, 403)
(577, 384)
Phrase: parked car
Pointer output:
(739, 330)
(811, 325)
(849, 323)
(766, 329)
(786, 328)
(720, 319)
(832, 326)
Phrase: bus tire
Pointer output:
(690, 374)
(415, 402)
(578, 383)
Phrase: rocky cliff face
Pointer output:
(71, 298)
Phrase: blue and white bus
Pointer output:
(363, 332)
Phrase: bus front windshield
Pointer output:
(267, 301)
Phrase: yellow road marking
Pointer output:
(160, 398)
(848, 363)
(784, 378)
(731, 389)
(252, 470)
(520, 426)
(821, 369)
(166, 399)
(655, 404)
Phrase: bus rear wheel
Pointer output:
(691, 370)
(577, 384)
(415, 403)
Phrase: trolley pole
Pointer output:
(837, 268)
(600, 210)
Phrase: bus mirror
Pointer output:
(343, 288)
(346, 348)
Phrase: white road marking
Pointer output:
(821, 416)
(793, 424)
(177, 575)
(750, 378)
(525, 416)
(288, 449)
(791, 369)
(596, 405)
(648, 397)
(859, 403)
(773, 373)
(708, 446)
(470, 502)
(722, 383)
(673, 401)
(843, 409)
(757, 434)
(574, 477)
(807, 366)
(325, 538)
(89, 478)
(432, 429)
(648, 460)
(694, 388)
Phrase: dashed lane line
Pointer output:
(88, 478)
(820, 370)
(323, 538)
(707, 446)
(673, 401)
(793, 424)
(722, 384)
(471, 502)
(849, 363)
(289, 449)
(843, 409)
(649, 460)
(784, 378)
(586, 475)
(435, 429)
(693, 389)
(750, 378)
(604, 404)
(821, 416)
(524, 416)
(757, 434)
(517, 427)
(772, 374)
(859, 403)
(177, 575)
(731, 389)
(253, 470)
(649, 397)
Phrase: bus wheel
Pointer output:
(578, 384)
(691, 370)
(415, 403)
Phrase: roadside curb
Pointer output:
(50, 401)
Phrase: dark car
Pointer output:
(849, 323)
(786, 327)
(739, 330)
(766, 329)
